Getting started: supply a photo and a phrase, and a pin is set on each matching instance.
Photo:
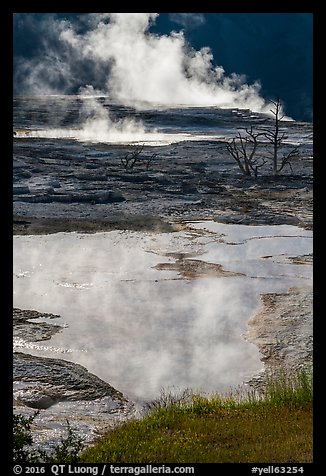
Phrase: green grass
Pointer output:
(275, 427)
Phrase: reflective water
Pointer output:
(143, 329)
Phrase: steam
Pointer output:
(188, 20)
(97, 125)
(133, 65)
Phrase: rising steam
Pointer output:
(143, 329)
(96, 124)
(133, 65)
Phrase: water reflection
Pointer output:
(142, 329)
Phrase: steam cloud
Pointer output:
(97, 125)
(132, 65)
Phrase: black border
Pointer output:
(7, 8)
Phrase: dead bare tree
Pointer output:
(148, 160)
(130, 159)
(276, 138)
(243, 149)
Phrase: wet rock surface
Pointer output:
(49, 381)
(60, 390)
(29, 331)
(39, 226)
(283, 332)
(190, 269)
(185, 181)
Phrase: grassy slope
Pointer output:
(276, 429)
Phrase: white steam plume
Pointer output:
(140, 66)
(96, 124)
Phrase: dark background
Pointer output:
(274, 48)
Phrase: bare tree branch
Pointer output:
(244, 148)
(130, 159)
(286, 159)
